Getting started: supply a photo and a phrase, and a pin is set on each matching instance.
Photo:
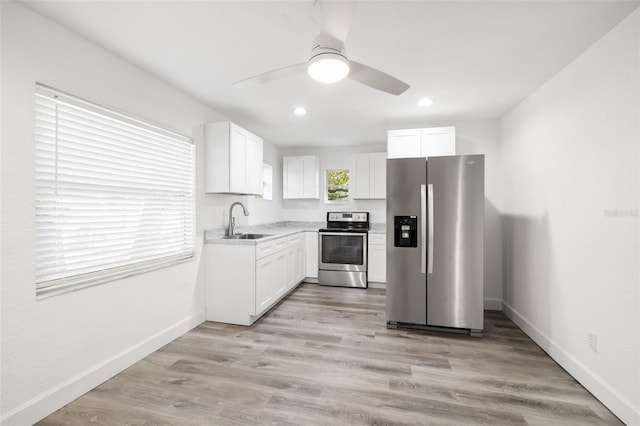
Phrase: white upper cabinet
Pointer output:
(300, 177)
(237, 159)
(291, 177)
(437, 141)
(403, 143)
(429, 142)
(378, 175)
(253, 160)
(368, 176)
(233, 159)
(359, 176)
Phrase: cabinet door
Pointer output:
(281, 276)
(298, 263)
(309, 177)
(266, 274)
(437, 141)
(377, 263)
(300, 177)
(311, 254)
(378, 175)
(237, 160)
(216, 150)
(291, 177)
(359, 176)
(403, 143)
(290, 273)
(254, 164)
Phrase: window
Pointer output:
(114, 194)
(337, 186)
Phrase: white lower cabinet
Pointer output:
(377, 248)
(311, 254)
(271, 280)
(244, 281)
(298, 263)
(265, 274)
(295, 260)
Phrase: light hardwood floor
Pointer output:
(325, 357)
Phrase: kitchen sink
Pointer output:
(245, 236)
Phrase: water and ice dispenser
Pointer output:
(405, 231)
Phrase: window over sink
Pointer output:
(336, 186)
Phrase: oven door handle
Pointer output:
(354, 234)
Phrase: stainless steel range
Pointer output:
(343, 250)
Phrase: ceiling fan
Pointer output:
(328, 62)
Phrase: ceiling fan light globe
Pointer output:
(328, 67)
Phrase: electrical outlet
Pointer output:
(593, 341)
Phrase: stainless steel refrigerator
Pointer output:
(435, 242)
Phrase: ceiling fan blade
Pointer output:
(336, 18)
(377, 79)
(271, 75)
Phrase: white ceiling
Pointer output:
(476, 59)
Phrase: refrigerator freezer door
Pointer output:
(455, 288)
(406, 285)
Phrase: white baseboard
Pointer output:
(618, 404)
(46, 403)
(491, 304)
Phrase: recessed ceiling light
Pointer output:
(300, 111)
(425, 102)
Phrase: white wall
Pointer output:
(54, 350)
(331, 158)
(570, 216)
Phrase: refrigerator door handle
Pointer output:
(423, 228)
(431, 226)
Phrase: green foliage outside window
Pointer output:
(337, 185)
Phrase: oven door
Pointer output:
(342, 251)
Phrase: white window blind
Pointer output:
(114, 194)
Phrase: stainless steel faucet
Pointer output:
(232, 221)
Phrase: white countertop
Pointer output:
(273, 230)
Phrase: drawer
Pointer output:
(295, 239)
(269, 247)
(280, 243)
(378, 239)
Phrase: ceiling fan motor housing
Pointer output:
(327, 63)
(324, 44)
